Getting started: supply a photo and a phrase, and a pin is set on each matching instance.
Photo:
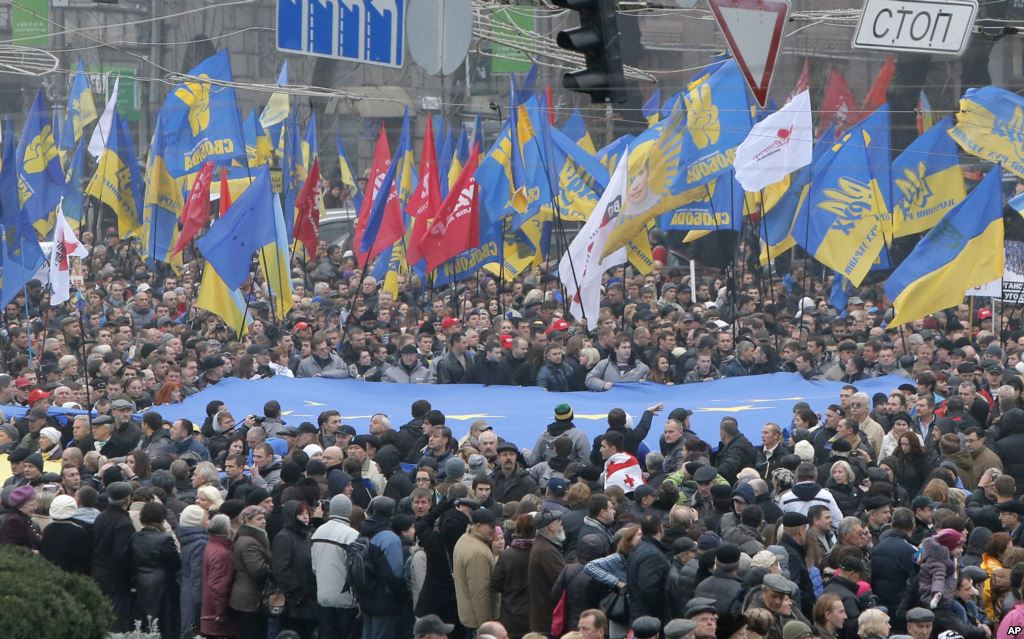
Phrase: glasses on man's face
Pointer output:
(423, 480)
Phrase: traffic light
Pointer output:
(597, 38)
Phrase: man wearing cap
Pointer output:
(125, 434)
(213, 371)
(546, 563)
(472, 566)
(1011, 515)
(844, 585)
(510, 482)
(112, 570)
(431, 627)
(409, 369)
(37, 420)
(777, 598)
(646, 628)
(724, 586)
(794, 540)
(702, 611)
(878, 512)
(336, 604)
(919, 623)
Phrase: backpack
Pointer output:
(360, 568)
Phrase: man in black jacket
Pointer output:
(794, 540)
(511, 483)
(646, 571)
(735, 452)
(632, 437)
(892, 560)
(724, 586)
(844, 585)
(488, 369)
(112, 554)
(126, 433)
(410, 432)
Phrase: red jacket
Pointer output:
(218, 576)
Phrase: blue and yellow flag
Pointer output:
(277, 110)
(294, 170)
(310, 148)
(928, 181)
(776, 224)
(347, 173)
(609, 155)
(720, 210)
(10, 207)
(162, 206)
(20, 258)
(201, 119)
(847, 219)
(840, 293)
(577, 176)
(405, 173)
(81, 110)
(990, 125)
(274, 261)
(652, 108)
(718, 119)
(575, 128)
(257, 142)
(40, 176)
(459, 157)
(965, 249)
(73, 204)
(118, 182)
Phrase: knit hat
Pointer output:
(805, 451)
(728, 556)
(63, 507)
(708, 540)
(20, 496)
(232, 508)
(256, 495)
(795, 630)
(454, 468)
(250, 513)
(563, 413)
(51, 433)
(341, 506)
(949, 538)
(764, 559)
(313, 450)
(191, 516)
(11, 431)
(36, 460)
(477, 465)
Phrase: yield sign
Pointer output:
(753, 29)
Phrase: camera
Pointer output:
(259, 419)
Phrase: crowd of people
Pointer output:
(880, 515)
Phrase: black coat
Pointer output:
(112, 534)
(123, 440)
(510, 579)
(726, 589)
(451, 371)
(488, 373)
(437, 595)
(1010, 442)
(681, 584)
(847, 497)
(892, 561)
(292, 565)
(68, 544)
(797, 555)
(512, 488)
(633, 438)
(646, 573)
(734, 457)
(765, 464)
(157, 562)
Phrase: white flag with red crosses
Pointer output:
(623, 470)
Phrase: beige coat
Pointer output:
(472, 565)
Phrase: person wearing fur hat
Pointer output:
(17, 529)
(66, 542)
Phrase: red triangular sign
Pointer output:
(754, 30)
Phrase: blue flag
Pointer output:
(246, 227)
(72, 205)
(201, 119)
(40, 176)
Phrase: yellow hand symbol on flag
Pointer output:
(40, 151)
(702, 116)
(197, 96)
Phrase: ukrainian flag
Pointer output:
(163, 203)
(459, 158)
(294, 170)
(310, 149)
(777, 224)
(277, 110)
(847, 219)
(40, 176)
(405, 175)
(117, 181)
(652, 108)
(73, 205)
(964, 250)
(347, 175)
(274, 260)
(81, 110)
(928, 181)
(990, 125)
(257, 142)
(576, 130)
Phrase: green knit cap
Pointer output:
(563, 413)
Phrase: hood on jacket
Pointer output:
(374, 525)
(259, 534)
(192, 534)
(962, 459)
(806, 490)
(556, 429)
(388, 459)
(288, 512)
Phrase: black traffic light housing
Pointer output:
(597, 38)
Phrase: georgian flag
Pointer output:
(65, 244)
(623, 470)
(776, 146)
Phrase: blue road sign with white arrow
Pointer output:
(369, 31)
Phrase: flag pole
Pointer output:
(768, 252)
(501, 267)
